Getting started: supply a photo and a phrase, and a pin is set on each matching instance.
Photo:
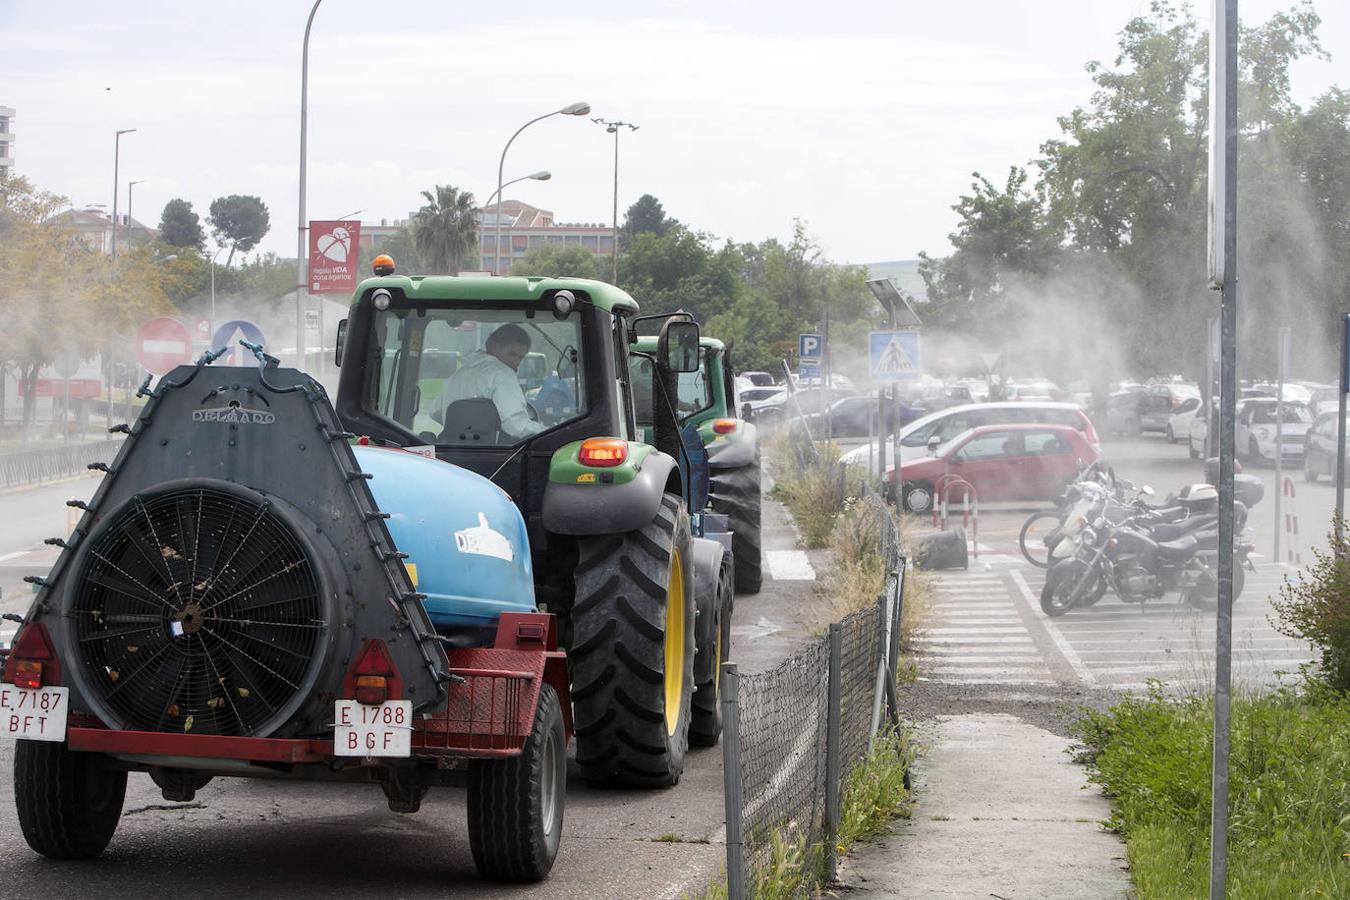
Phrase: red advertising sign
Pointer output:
(334, 255)
(162, 344)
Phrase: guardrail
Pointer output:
(792, 735)
(50, 463)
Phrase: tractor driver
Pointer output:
(490, 374)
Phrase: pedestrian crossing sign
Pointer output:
(894, 355)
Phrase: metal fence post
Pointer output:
(879, 687)
(893, 652)
(731, 780)
(833, 698)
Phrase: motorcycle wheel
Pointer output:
(1207, 599)
(1035, 547)
(1061, 582)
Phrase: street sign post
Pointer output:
(894, 355)
(1223, 209)
(1340, 430)
(161, 344)
(1282, 365)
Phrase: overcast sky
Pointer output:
(863, 118)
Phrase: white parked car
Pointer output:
(1254, 432)
(1183, 414)
(946, 424)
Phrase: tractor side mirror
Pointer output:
(677, 347)
(341, 340)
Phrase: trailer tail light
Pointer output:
(724, 426)
(603, 453)
(32, 660)
(373, 679)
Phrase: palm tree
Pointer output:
(446, 229)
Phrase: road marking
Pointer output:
(789, 565)
(15, 555)
(975, 640)
(973, 630)
(1070, 656)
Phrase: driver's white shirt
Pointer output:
(483, 375)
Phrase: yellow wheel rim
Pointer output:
(674, 642)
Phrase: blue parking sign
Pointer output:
(810, 346)
(894, 355)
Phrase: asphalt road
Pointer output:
(242, 837)
(987, 631)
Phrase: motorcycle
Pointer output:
(1140, 558)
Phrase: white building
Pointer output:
(6, 140)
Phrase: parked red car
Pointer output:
(1003, 462)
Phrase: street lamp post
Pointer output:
(301, 251)
(214, 257)
(613, 128)
(580, 108)
(117, 154)
(130, 185)
(542, 175)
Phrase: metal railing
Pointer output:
(792, 735)
(51, 463)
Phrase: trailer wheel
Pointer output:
(632, 652)
(516, 805)
(68, 805)
(706, 726)
(736, 492)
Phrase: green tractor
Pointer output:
(621, 549)
(706, 401)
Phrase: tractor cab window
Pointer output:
(477, 375)
(694, 390)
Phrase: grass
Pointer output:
(1289, 812)
(874, 795)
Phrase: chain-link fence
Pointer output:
(50, 463)
(794, 733)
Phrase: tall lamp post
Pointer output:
(613, 128)
(219, 250)
(117, 154)
(580, 108)
(542, 175)
(130, 185)
(301, 250)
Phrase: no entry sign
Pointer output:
(162, 344)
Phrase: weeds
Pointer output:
(1314, 609)
(1289, 776)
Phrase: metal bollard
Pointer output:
(833, 698)
(731, 780)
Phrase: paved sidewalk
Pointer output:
(1002, 812)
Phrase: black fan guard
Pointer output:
(199, 609)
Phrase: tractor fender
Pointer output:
(740, 448)
(708, 557)
(600, 508)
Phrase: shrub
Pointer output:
(1317, 609)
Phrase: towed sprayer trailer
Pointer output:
(256, 591)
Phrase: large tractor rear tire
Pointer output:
(715, 638)
(736, 493)
(516, 805)
(68, 805)
(632, 653)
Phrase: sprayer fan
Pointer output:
(198, 611)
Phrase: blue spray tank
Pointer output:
(467, 546)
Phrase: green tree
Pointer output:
(446, 230)
(560, 259)
(179, 226)
(239, 221)
(646, 216)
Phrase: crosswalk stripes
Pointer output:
(976, 636)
